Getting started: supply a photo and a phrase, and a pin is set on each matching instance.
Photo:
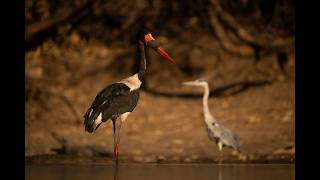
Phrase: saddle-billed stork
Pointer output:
(118, 100)
(216, 131)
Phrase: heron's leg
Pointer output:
(220, 145)
(220, 157)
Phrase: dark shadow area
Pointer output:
(244, 49)
(224, 91)
(39, 31)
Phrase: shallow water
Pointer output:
(161, 171)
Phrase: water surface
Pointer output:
(161, 172)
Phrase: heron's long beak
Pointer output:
(155, 46)
(190, 83)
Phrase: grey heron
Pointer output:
(217, 133)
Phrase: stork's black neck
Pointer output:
(142, 54)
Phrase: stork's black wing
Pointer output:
(112, 101)
(111, 91)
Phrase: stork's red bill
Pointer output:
(150, 41)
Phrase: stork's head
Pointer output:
(146, 37)
(198, 82)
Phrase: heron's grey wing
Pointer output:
(221, 133)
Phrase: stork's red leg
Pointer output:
(116, 150)
(116, 137)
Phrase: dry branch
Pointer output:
(226, 43)
(61, 15)
(262, 39)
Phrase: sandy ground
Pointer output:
(176, 131)
(161, 128)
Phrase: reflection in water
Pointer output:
(115, 167)
(160, 172)
(220, 172)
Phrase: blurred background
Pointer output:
(244, 49)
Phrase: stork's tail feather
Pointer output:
(89, 128)
(89, 119)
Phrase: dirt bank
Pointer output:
(62, 80)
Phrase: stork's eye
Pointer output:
(147, 38)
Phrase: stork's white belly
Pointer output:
(124, 116)
(133, 82)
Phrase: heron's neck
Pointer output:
(206, 112)
(143, 64)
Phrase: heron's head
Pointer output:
(198, 82)
(146, 37)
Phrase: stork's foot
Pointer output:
(116, 151)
